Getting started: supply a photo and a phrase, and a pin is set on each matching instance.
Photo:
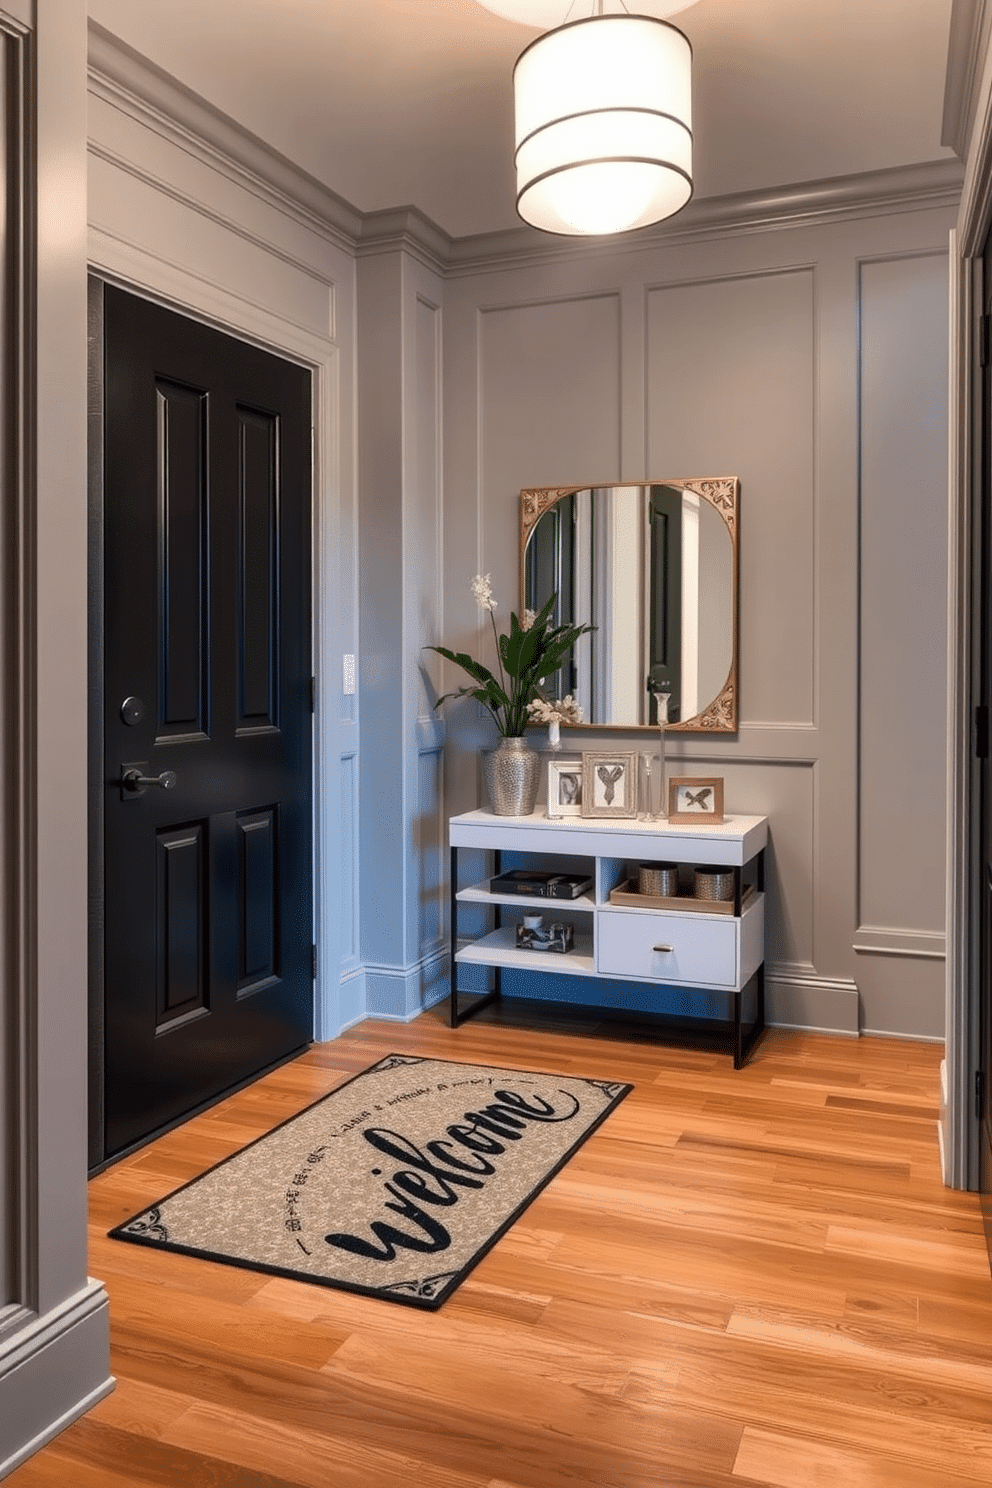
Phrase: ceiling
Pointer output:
(409, 102)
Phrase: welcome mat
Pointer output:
(394, 1185)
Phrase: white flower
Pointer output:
(560, 710)
(527, 619)
(482, 591)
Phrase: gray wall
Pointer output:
(810, 362)
(54, 1336)
(400, 521)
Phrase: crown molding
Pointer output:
(968, 40)
(18, 15)
(975, 215)
(905, 188)
(129, 81)
(405, 228)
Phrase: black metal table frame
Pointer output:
(742, 1041)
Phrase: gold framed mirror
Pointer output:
(654, 567)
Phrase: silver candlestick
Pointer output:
(661, 700)
(645, 793)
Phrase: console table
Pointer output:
(692, 944)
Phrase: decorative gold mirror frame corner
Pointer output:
(722, 493)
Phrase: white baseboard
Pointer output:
(795, 997)
(351, 1000)
(52, 1371)
(942, 1132)
(400, 994)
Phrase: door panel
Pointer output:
(258, 514)
(258, 905)
(182, 631)
(207, 639)
(180, 923)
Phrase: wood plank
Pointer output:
(743, 1278)
(781, 1460)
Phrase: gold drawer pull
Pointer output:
(664, 948)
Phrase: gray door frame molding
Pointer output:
(962, 1030)
(54, 1323)
(18, 1238)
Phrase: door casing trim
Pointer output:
(962, 1031)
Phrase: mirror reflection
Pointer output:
(655, 568)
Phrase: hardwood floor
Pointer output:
(750, 1278)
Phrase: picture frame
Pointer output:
(564, 785)
(695, 800)
(609, 783)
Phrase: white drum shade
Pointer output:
(604, 125)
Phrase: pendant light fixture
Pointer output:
(603, 118)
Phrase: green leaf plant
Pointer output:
(533, 650)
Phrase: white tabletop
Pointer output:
(733, 841)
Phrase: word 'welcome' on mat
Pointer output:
(394, 1185)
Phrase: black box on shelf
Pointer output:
(554, 937)
(540, 884)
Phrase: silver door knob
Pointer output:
(133, 780)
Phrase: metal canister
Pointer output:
(659, 879)
(714, 883)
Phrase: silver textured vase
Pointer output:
(512, 774)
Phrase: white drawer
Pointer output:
(703, 948)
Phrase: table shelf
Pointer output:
(536, 903)
(499, 948)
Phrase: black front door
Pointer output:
(207, 715)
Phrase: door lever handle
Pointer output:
(132, 779)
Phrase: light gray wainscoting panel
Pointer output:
(423, 531)
(341, 865)
(902, 995)
(549, 386)
(903, 664)
(730, 391)
(429, 842)
(402, 805)
(533, 397)
(789, 788)
(384, 687)
(423, 534)
(350, 952)
(903, 503)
